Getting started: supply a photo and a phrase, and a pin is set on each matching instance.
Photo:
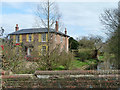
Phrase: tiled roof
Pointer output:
(36, 30)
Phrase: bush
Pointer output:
(55, 60)
(23, 67)
(85, 54)
(66, 59)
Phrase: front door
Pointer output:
(29, 51)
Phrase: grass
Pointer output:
(101, 58)
(79, 64)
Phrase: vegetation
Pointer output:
(111, 20)
(85, 54)
(78, 64)
(73, 44)
(14, 59)
(93, 43)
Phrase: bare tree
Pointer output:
(111, 20)
(47, 13)
(98, 44)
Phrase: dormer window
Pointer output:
(43, 37)
(17, 38)
(30, 38)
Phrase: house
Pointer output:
(37, 38)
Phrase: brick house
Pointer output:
(37, 38)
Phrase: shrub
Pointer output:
(66, 59)
(55, 59)
(85, 54)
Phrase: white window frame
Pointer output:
(43, 37)
(29, 37)
(17, 38)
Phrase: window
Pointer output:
(17, 38)
(43, 49)
(8, 37)
(30, 38)
(43, 37)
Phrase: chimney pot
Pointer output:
(65, 31)
(56, 26)
(16, 28)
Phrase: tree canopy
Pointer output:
(73, 44)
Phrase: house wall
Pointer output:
(37, 41)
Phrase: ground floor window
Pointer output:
(43, 49)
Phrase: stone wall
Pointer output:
(64, 79)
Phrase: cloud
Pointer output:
(81, 19)
(10, 20)
(61, 0)
(13, 4)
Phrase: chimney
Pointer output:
(16, 28)
(56, 26)
(65, 31)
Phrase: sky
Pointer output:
(81, 18)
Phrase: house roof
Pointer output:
(36, 30)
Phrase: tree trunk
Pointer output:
(95, 54)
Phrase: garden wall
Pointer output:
(64, 79)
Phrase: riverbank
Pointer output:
(90, 64)
(80, 65)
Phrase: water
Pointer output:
(105, 66)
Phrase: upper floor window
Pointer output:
(30, 38)
(8, 37)
(17, 38)
(43, 37)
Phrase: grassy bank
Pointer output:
(77, 64)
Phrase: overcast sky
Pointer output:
(80, 18)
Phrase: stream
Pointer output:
(106, 65)
(103, 66)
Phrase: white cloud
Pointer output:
(23, 20)
(61, 0)
(14, 4)
(84, 17)
(76, 16)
